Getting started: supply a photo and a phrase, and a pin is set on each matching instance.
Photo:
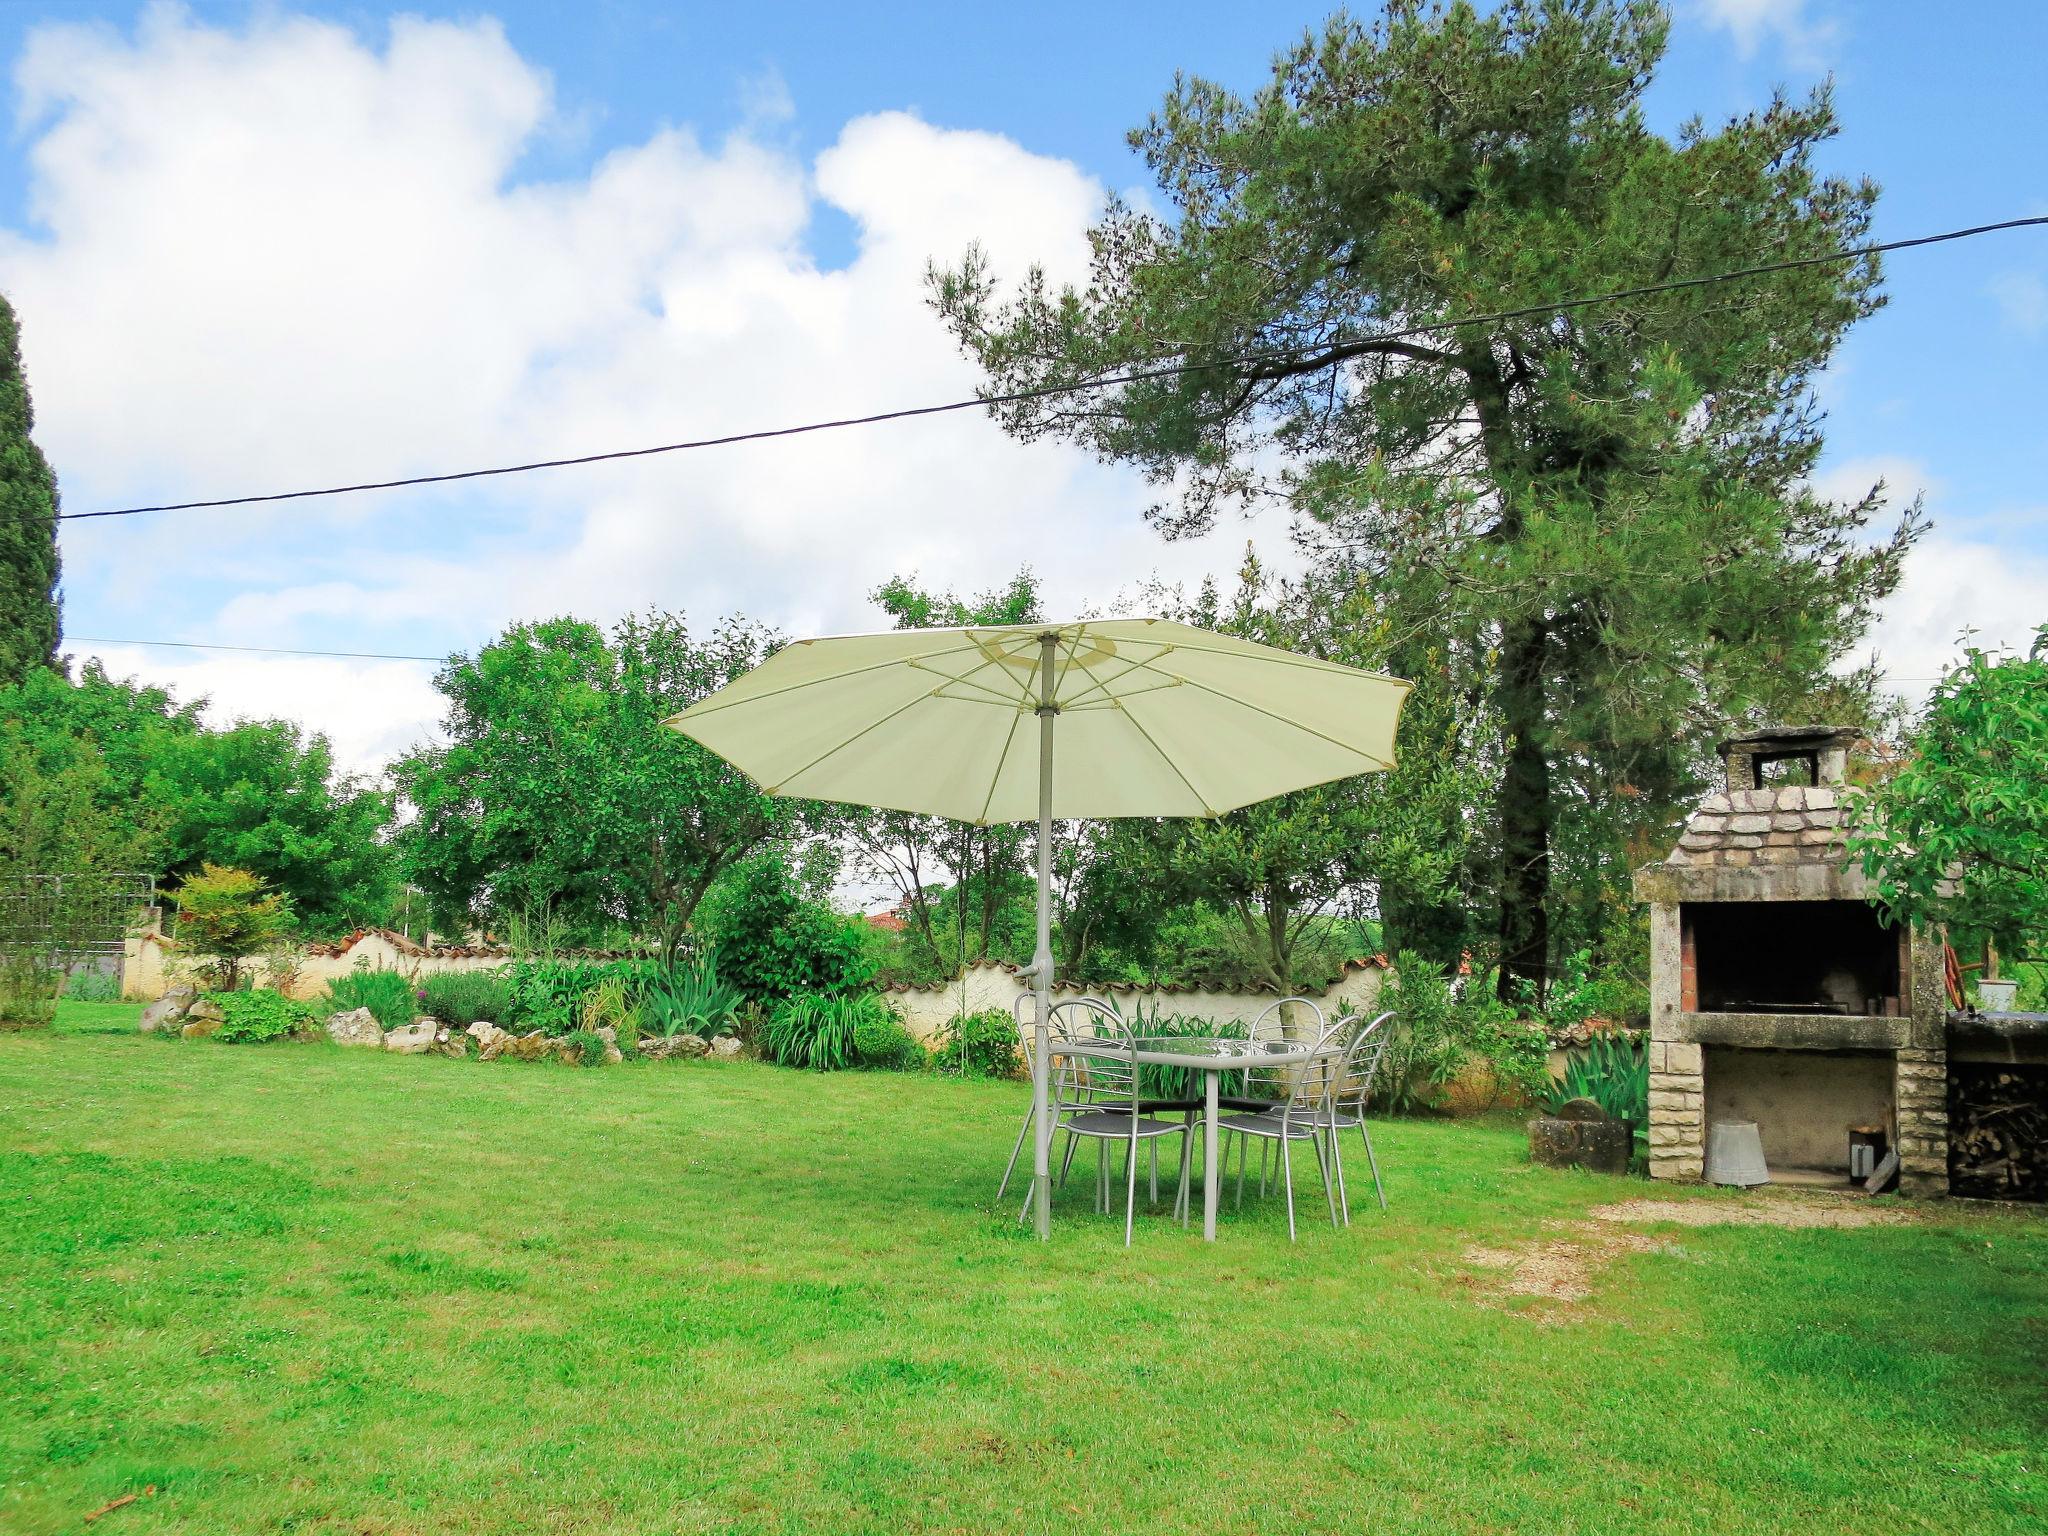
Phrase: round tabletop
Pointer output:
(1219, 1053)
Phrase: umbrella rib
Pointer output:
(1273, 655)
(996, 778)
(1166, 758)
(873, 725)
(1103, 685)
(700, 709)
(1269, 714)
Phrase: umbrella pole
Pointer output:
(1041, 960)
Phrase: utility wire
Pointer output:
(254, 650)
(273, 650)
(1336, 350)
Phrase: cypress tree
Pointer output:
(28, 523)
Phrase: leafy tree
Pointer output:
(29, 613)
(54, 840)
(1601, 515)
(230, 914)
(266, 797)
(1959, 835)
(561, 791)
(175, 794)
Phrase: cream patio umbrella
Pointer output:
(1153, 718)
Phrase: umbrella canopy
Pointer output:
(1154, 718)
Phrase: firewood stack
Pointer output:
(1998, 1130)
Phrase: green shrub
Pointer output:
(28, 991)
(773, 942)
(1579, 992)
(387, 994)
(882, 1044)
(1163, 1082)
(548, 994)
(463, 998)
(93, 987)
(818, 1032)
(1614, 1072)
(981, 1044)
(690, 998)
(1516, 1048)
(589, 1046)
(250, 1018)
(1422, 1052)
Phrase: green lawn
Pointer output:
(309, 1289)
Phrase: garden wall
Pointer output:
(152, 961)
(992, 984)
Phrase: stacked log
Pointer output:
(1998, 1130)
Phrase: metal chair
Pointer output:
(1057, 1027)
(1098, 1097)
(1352, 1093)
(1271, 1024)
(1297, 1108)
(1071, 1018)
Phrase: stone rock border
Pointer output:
(185, 1012)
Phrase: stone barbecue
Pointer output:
(1777, 993)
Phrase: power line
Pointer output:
(1335, 350)
(254, 650)
(274, 650)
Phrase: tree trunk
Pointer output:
(1525, 811)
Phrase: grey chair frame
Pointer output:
(1351, 1095)
(1097, 1098)
(1258, 1029)
(1303, 1115)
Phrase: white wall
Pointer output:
(990, 984)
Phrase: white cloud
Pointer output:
(1952, 587)
(1806, 40)
(1953, 583)
(370, 711)
(2022, 297)
(281, 255)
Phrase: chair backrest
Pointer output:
(1080, 1081)
(1300, 1074)
(1061, 1021)
(1272, 1024)
(1353, 1089)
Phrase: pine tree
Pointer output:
(1602, 516)
(28, 523)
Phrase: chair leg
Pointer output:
(1323, 1167)
(1067, 1161)
(1241, 1143)
(1373, 1159)
(1263, 1149)
(1152, 1151)
(1337, 1158)
(1287, 1173)
(1131, 1184)
(1010, 1168)
(1187, 1166)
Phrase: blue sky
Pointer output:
(254, 246)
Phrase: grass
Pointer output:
(302, 1288)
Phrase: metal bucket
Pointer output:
(1735, 1154)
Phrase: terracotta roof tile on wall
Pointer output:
(1071, 984)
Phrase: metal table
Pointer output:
(1212, 1057)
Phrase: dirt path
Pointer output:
(1562, 1268)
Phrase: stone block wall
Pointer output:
(1678, 1109)
(1920, 1093)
